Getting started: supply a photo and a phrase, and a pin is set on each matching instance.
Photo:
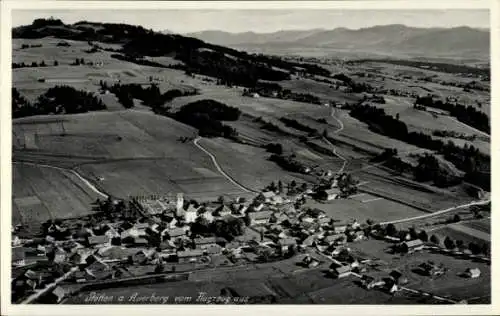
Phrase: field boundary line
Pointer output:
(440, 212)
(214, 160)
(79, 176)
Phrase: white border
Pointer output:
(5, 159)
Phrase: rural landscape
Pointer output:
(297, 167)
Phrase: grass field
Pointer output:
(41, 193)
(483, 225)
(364, 207)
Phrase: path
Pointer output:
(222, 172)
(85, 181)
(344, 164)
(409, 219)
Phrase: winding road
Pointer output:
(344, 160)
(219, 168)
(409, 219)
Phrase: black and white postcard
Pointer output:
(335, 154)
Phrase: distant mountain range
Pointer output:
(463, 42)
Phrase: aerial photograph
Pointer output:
(246, 156)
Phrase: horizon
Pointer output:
(254, 21)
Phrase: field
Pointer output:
(450, 285)
(464, 233)
(41, 193)
(363, 207)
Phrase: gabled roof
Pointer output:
(190, 253)
(94, 240)
(343, 269)
(414, 243)
(260, 215)
(176, 232)
(268, 194)
(332, 191)
(287, 242)
(205, 240)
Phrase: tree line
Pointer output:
(56, 100)
(467, 158)
(207, 116)
(466, 114)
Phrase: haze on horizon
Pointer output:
(263, 21)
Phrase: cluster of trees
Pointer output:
(25, 46)
(33, 64)
(150, 96)
(467, 158)
(207, 117)
(354, 86)
(274, 90)
(275, 148)
(474, 248)
(453, 134)
(298, 126)
(57, 100)
(288, 163)
(391, 230)
(228, 229)
(78, 62)
(465, 114)
(429, 169)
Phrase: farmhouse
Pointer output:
(203, 243)
(261, 217)
(189, 255)
(411, 246)
(431, 269)
(341, 272)
(268, 196)
(222, 211)
(286, 244)
(472, 273)
(98, 241)
(329, 194)
(191, 214)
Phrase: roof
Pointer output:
(332, 191)
(98, 239)
(260, 215)
(176, 232)
(222, 209)
(287, 242)
(268, 194)
(413, 243)
(190, 253)
(18, 253)
(141, 225)
(343, 269)
(205, 240)
(213, 249)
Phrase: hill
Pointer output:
(463, 42)
(230, 66)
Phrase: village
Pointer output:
(148, 236)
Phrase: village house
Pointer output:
(204, 242)
(411, 246)
(339, 229)
(213, 249)
(261, 217)
(329, 194)
(60, 293)
(59, 255)
(472, 273)
(191, 255)
(222, 211)
(18, 256)
(286, 244)
(177, 232)
(309, 241)
(431, 269)
(191, 214)
(207, 215)
(341, 272)
(268, 196)
(98, 241)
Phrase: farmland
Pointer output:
(41, 193)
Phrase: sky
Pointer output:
(262, 21)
